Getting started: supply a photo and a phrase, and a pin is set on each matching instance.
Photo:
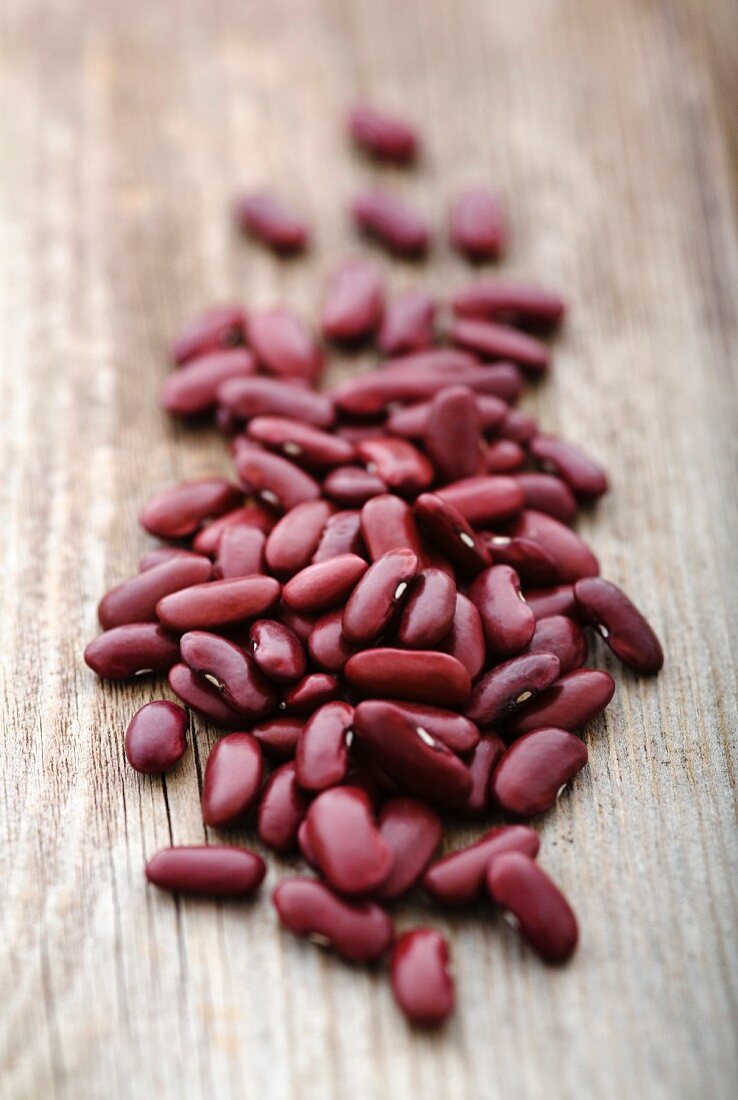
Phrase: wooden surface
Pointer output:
(610, 125)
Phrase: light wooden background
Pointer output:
(610, 125)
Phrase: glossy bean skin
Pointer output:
(387, 523)
(410, 421)
(303, 443)
(319, 587)
(484, 500)
(282, 807)
(417, 675)
(329, 647)
(453, 730)
(159, 554)
(359, 931)
(276, 480)
(543, 914)
(532, 562)
(388, 220)
(201, 696)
(510, 685)
(278, 737)
(534, 768)
(515, 303)
(458, 878)
(177, 513)
(408, 323)
(301, 625)
(371, 393)
(231, 670)
(135, 600)
(413, 832)
(240, 553)
(429, 610)
(476, 224)
(452, 433)
(503, 456)
(445, 527)
(572, 702)
(583, 476)
(465, 639)
(420, 974)
(620, 623)
(132, 650)
(400, 465)
(292, 543)
(253, 514)
(482, 764)
(219, 328)
(572, 556)
(382, 589)
(352, 486)
(558, 599)
(353, 303)
(251, 397)
(232, 781)
(156, 737)
(269, 220)
(562, 636)
(322, 758)
(345, 842)
(384, 136)
(341, 535)
(422, 764)
(277, 651)
(507, 620)
(495, 341)
(313, 691)
(217, 603)
(546, 493)
(207, 870)
(193, 390)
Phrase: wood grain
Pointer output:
(611, 128)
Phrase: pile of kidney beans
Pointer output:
(387, 605)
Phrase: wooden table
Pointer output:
(610, 127)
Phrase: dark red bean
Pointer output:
(413, 832)
(274, 479)
(420, 763)
(517, 426)
(453, 730)
(352, 486)
(253, 514)
(318, 587)
(383, 136)
(410, 421)
(218, 603)
(535, 768)
(240, 553)
(418, 675)
(429, 610)
(359, 931)
(400, 465)
(135, 600)
(208, 870)
(198, 694)
(250, 397)
(562, 636)
(408, 323)
(345, 842)
(352, 308)
(616, 619)
(194, 389)
(549, 494)
(422, 982)
(387, 219)
(278, 737)
(465, 639)
(322, 752)
(482, 764)
(341, 535)
(583, 476)
(368, 394)
(512, 302)
(221, 327)
(444, 362)
(484, 500)
(277, 651)
(328, 645)
(281, 809)
(301, 625)
(230, 670)
(159, 554)
(476, 224)
(506, 687)
(573, 557)
(569, 704)
(556, 600)
(303, 843)
(301, 443)
(357, 432)
(177, 513)
(452, 433)
(156, 737)
(377, 596)
(268, 219)
(294, 540)
(233, 776)
(503, 456)
(226, 422)
(507, 620)
(387, 523)
(543, 914)
(132, 650)
(445, 527)
(531, 561)
(313, 691)
(458, 878)
(494, 341)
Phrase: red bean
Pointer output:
(544, 916)
(458, 878)
(465, 639)
(255, 515)
(352, 486)
(476, 224)
(442, 361)
(135, 600)
(352, 308)
(233, 776)
(377, 596)
(341, 535)
(231, 670)
(322, 751)
(301, 625)
(276, 480)
(281, 809)
(218, 603)
(294, 540)
(446, 528)
(132, 650)
(221, 327)
(156, 737)
(503, 456)
(573, 557)
(328, 645)
(422, 983)
(194, 389)
(359, 931)
(620, 623)
(534, 769)
(345, 843)
(494, 341)
(453, 730)
(387, 523)
(268, 219)
(483, 500)
(420, 763)
(531, 561)
(201, 696)
(159, 554)
(408, 323)
(240, 553)
(562, 636)
(507, 620)
(179, 511)
(313, 691)
(452, 433)
(411, 421)
(519, 427)
(278, 737)
(368, 394)
(383, 136)
(387, 219)
(506, 687)
(482, 764)
(549, 494)
(209, 870)
(283, 345)
(277, 651)
(556, 600)
(583, 476)
(300, 442)
(359, 431)
(418, 675)
(569, 704)
(429, 610)
(318, 587)
(508, 301)
(413, 832)
(399, 464)
(250, 397)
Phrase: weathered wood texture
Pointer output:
(611, 127)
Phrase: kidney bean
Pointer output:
(301, 625)
(277, 651)
(377, 596)
(429, 610)
(465, 639)
(418, 675)
(413, 832)
(328, 646)
(217, 603)
(132, 650)
(179, 511)
(226, 422)
(156, 737)
(252, 514)
(515, 303)
(193, 389)
(411, 420)
(569, 704)
(345, 843)
(352, 308)
(573, 557)
(281, 809)
(387, 523)
(506, 687)
(534, 769)
(494, 341)
(545, 493)
(200, 695)
(357, 432)
(445, 527)
(359, 931)
(251, 397)
(476, 224)
(543, 914)
(458, 878)
(555, 600)
(220, 327)
(583, 476)
(453, 730)
(483, 500)
(208, 870)
(531, 561)
(278, 737)
(230, 670)
(135, 600)
(421, 978)
(353, 485)
(383, 136)
(303, 843)
(313, 691)
(420, 763)
(341, 535)
(233, 776)
(240, 553)
(503, 456)
(443, 361)
(304, 444)
(452, 433)
(318, 587)
(322, 752)
(160, 554)
(292, 543)
(518, 426)
(408, 323)
(562, 636)
(389, 221)
(481, 766)
(399, 464)
(267, 219)
(507, 620)
(620, 623)
(368, 394)
(276, 480)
